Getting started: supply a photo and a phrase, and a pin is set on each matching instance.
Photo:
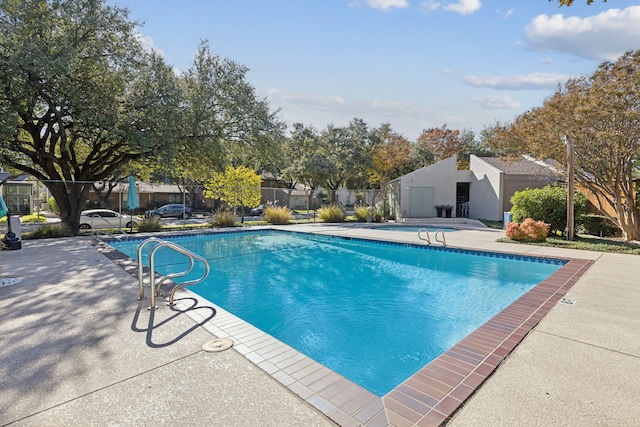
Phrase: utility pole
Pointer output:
(570, 173)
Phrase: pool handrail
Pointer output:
(428, 238)
(443, 241)
(141, 267)
(155, 289)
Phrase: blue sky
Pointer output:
(413, 64)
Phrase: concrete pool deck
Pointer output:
(78, 348)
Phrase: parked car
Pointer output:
(173, 210)
(105, 218)
(257, 211)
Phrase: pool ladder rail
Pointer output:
(155, 288)
(427, 238)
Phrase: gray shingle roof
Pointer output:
(518, 166)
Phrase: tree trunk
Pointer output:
(630, 224)
(69, 196)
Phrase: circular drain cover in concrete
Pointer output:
(219, 344)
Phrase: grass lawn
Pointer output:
(587, 243)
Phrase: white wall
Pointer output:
(442, 176)
(484, 191)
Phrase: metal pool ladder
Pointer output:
(155, 289)
(428, 239)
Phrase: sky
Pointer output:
(415, 64)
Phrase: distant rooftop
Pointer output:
(520, 166)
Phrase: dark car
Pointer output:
(257, 211)
(170, 211)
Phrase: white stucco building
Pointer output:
(482, 192)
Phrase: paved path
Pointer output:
(77, 348)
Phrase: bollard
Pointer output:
(11, 241)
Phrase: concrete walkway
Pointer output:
(77, 348)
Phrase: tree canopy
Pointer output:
(442, 142)
(79, 96)
(570, 2)
(391, 156)
(601, 115)
(222, 122)
(238, 186)
(82, 101)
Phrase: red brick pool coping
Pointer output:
(430, 397)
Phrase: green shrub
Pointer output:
(53, 205)
(332, 213)
(598, 225)
(277, 215)
(149, 225)
(548, 204)
(362, 212)
(529, 231)
(33, 218)
(47, 232)
(223, 218)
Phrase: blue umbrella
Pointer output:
(132, 195)
(132, 198)
(3, 207)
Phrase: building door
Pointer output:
(462, 200)
(421, 201)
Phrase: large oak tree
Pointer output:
(79, 96)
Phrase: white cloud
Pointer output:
(605, 36)
(505, 14)
(320, 110)
(496, 102)
(430, 6)
(338, 103)
(386, 4)
(147, 44)
(296, 100)
(518, 82)
(463, 7)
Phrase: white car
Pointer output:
(105, 218)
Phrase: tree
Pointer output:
(308, 161)
(348, 152)
(420, 156)
(390, 156)
(79, 96)
(601, 114)
(570, 2)
(223, 121)
(442, 142)
(239, 187)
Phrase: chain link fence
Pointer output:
(35, 197)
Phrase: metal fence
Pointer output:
(35, 198)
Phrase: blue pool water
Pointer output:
(374, 312)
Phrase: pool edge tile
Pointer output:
(348, 404)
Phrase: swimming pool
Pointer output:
(374, 312)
